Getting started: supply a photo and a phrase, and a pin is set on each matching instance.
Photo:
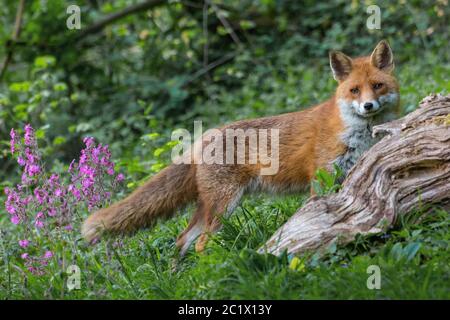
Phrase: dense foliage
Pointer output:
(131, 83)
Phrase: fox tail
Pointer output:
(159, 197)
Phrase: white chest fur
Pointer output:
(358, 133)
(358, 139)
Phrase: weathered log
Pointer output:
(409, 168)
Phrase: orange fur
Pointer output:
(308, 140)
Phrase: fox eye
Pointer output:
(377, 86)
(354, 90)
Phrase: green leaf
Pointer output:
(247, 24)
(297, 264)
(396, 251)
(59, 140)
(332, 248)
(83, 127)
(158, 152)
(60, 86)
(43, 62)
(157, 167)
(40, 133)
(20, 86)
(411, 250)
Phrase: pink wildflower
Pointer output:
(39, 224)
(24, 243)
(29, 135)
(21, 161)
(33, 170)
(12, 134)
(88, 141)
(15, 219)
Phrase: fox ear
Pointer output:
(341, 65)
(382, 57)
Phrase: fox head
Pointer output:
(366, 84)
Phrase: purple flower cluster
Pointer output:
(29, 158)
(48, 202)
(88, 175)
(13, 141)
(36, 264)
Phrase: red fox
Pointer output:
(336, 131)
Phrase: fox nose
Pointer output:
(368, 106)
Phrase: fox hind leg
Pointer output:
(193, 230)
(206, 219)
(225, 205)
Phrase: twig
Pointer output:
(14, 38)
(205, 33)
(226, 24)
(99, 25)
(210, 67)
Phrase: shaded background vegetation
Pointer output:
(132, 81)
(183, 60)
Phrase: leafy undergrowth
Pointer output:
(413, 258)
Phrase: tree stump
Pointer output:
(407, 169)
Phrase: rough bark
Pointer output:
(408, 169)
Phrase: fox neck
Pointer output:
(357, 131)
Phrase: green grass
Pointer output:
(414, 261)
(414, 257)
